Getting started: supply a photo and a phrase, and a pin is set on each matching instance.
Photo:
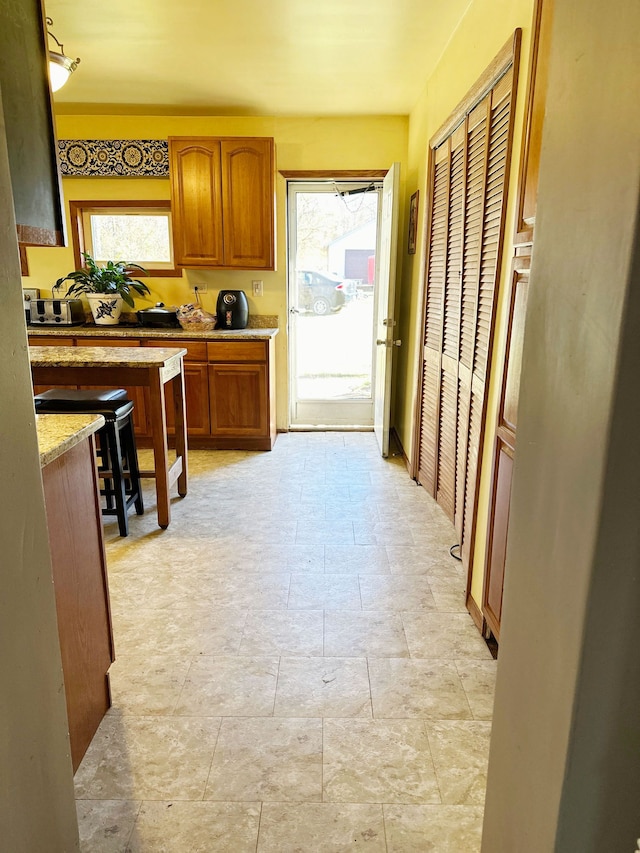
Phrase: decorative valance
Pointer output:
(113, 158)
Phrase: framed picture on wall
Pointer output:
(413, 222)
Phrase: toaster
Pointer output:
(56, 312)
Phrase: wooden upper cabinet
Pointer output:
(222, 192)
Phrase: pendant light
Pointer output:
(60, 66)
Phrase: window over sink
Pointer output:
(139, 231)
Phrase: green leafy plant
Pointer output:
(110, 279)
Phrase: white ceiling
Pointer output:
(252, 57)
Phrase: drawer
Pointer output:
(108, 342)
(196, 350)
(49, 341)
(236, 351)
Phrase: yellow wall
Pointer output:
(486, 27)
(301, 143)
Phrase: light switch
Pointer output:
(257, 288)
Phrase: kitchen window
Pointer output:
(135, 231)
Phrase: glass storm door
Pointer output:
(333, 244)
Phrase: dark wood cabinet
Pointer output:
(241, 393)
(222, 198)
(229, 389)
(80, 583)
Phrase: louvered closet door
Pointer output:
(465, 229)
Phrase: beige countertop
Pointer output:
(104, 356)
(122, 331)
(59, 433)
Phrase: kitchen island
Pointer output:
(78, 562)
(150, 369)
(229, 379)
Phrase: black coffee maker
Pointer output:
(232, 310)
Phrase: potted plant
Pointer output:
(106, 287)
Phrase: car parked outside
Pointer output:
(320, 292)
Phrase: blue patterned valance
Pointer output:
(112, 158)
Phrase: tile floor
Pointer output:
(296, 670)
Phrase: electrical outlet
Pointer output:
(200, 288)
(257, 288)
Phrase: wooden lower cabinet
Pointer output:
(238, 400)
(80, 583)
(229, 390)
(497, 545)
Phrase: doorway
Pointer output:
(333, 245)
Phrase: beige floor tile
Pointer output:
(283, 632)
(321, 828)
(142, 685)
(105, 826)
(354, 634)
(318, 592)
(460, 752)
(177, 632)
(256, 592)
(267, 759)
(444, 636)
(417, 688)
(382, 533)
(356, 559)
(323, 687)
(396, 592)
(257, 534)
(417, 560)
(229, 686)
(378, 761)
(148, 758)
(448, 594)
(325, 532)
(479, 681)
(195, 827)
(433, 829)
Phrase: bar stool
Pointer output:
(117, 457)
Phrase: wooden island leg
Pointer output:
(160, 447)
(179, 403)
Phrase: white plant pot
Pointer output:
(106, 308)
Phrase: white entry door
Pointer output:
(385, 311)
(333, 243)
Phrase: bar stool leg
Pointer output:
(115, 453)
(132, 465)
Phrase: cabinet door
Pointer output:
(135, 394)
(197, 400)
(196, 202)
(238, 400)
(248, 202)
(497, 546)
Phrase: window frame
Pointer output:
(78, 209)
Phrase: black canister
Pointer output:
(232, 310)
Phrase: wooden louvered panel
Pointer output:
(475, 425)
(447, 443)
(454, 247)
(437, 251)
(474, 210)
(492, 226)
(462, 438)
(429, 423)
(468, 167)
